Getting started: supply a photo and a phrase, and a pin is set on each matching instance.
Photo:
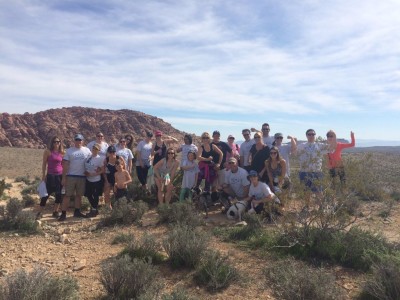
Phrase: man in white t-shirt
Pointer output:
(103, 145)
(245, 149)
(73, 177)
(236, 183)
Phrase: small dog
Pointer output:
(236, 210)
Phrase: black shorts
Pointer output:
(53, 184)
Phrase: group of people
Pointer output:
(254, 171)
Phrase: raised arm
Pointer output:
(293, 144)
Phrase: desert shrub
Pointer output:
(146, 248)
(179, 213)
(38, 284)
(28, 201)
(252, 228)
(30, 189)
(384, 282)
(124, 278)
(85, 205)
(185, 246)
(215, 272)
(25, 221)
(2, 186)
(24, 179)
(295, 280)
(178, 294)
(13, 207)
(355, 249)
(395, 195)
(122, 238)
(124, 212)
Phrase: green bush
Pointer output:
(124, 278)
(13, 207)
(124, 212)
(294, 280)
(39, 284)
(28, 201)
(185, 246)
(122, 238)
(14, 218)
(2, 186)
(24, 179)
(215, 272)
(30, 189)
(252, 228)
(179, 213)
(384, 283)
(25, 221)
(146, 248)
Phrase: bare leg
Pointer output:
(168, 194)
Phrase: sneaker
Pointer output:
(92, 214)
(62, 218)
(55, 214)
(78, 214)
(39, 215)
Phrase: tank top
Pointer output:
(206, 154)
(158, 157)
(54, 163)
(275, 172)
(110, 168)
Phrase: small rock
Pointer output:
(80, 265)
(64, 239)
(38, 223)
(3, 272)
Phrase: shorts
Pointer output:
(53, 184)
(312, 180)
(121, 193)
(220, 180)
(75, 186)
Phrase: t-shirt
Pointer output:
(103, 148)
(260, 191)
(91, 165)
(245, 151)
(237, 181)
(284, 151)
(185, 150)
(144, 149)
(126, 154)
(224, 147)
(310, 156)
(268, 140)
(189, 176)
(76, 158)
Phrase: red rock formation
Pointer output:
(35, 130)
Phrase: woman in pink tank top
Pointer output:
(52, 174)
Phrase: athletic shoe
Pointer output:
(62, 218)
(92, 214)
(78, 214)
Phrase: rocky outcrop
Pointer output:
(35, 130)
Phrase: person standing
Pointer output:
(190, 175)
(285, 150)
(52, 161)
(335, 162)
(94, 168)
(73, 177)
(267, 139)
(103, 145)
(160, 146)
(164, 172)
(186, 148)
(226, 150)
(245, 149)
(126, 154)
(143, 162)
(259, 153)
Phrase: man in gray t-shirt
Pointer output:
(245, 149)
(236, 183)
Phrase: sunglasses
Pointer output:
(245, 134)
(279, 138)
(171, 152)
(100, 135)
(310, 134)
(257, 137)
(78, 140)
(265, 129)
(205, 138)
(56, 141)
(273, 152)
(231, 163)
(330, 136)
(122, 141)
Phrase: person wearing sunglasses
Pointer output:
(244, 151)
(275, 167)
(160, 146)
(52, 162)
(186, 148)
(164, 173)
(259, 153)
(265, 130)
(285, 150)
(310, 156)
(335, 162)
(100, 141)
(125, 153)
(74, 178)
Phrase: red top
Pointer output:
(335, 157)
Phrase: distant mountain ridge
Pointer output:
(34, 130)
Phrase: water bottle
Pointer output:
(63, 191)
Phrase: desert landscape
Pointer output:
(80, 248)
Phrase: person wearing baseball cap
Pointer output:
(235, 150)
(73, 178)
(259, 193)
(236, 183)
(225, 149)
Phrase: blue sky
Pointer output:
(205, 65)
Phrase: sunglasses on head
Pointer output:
(78, 140)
